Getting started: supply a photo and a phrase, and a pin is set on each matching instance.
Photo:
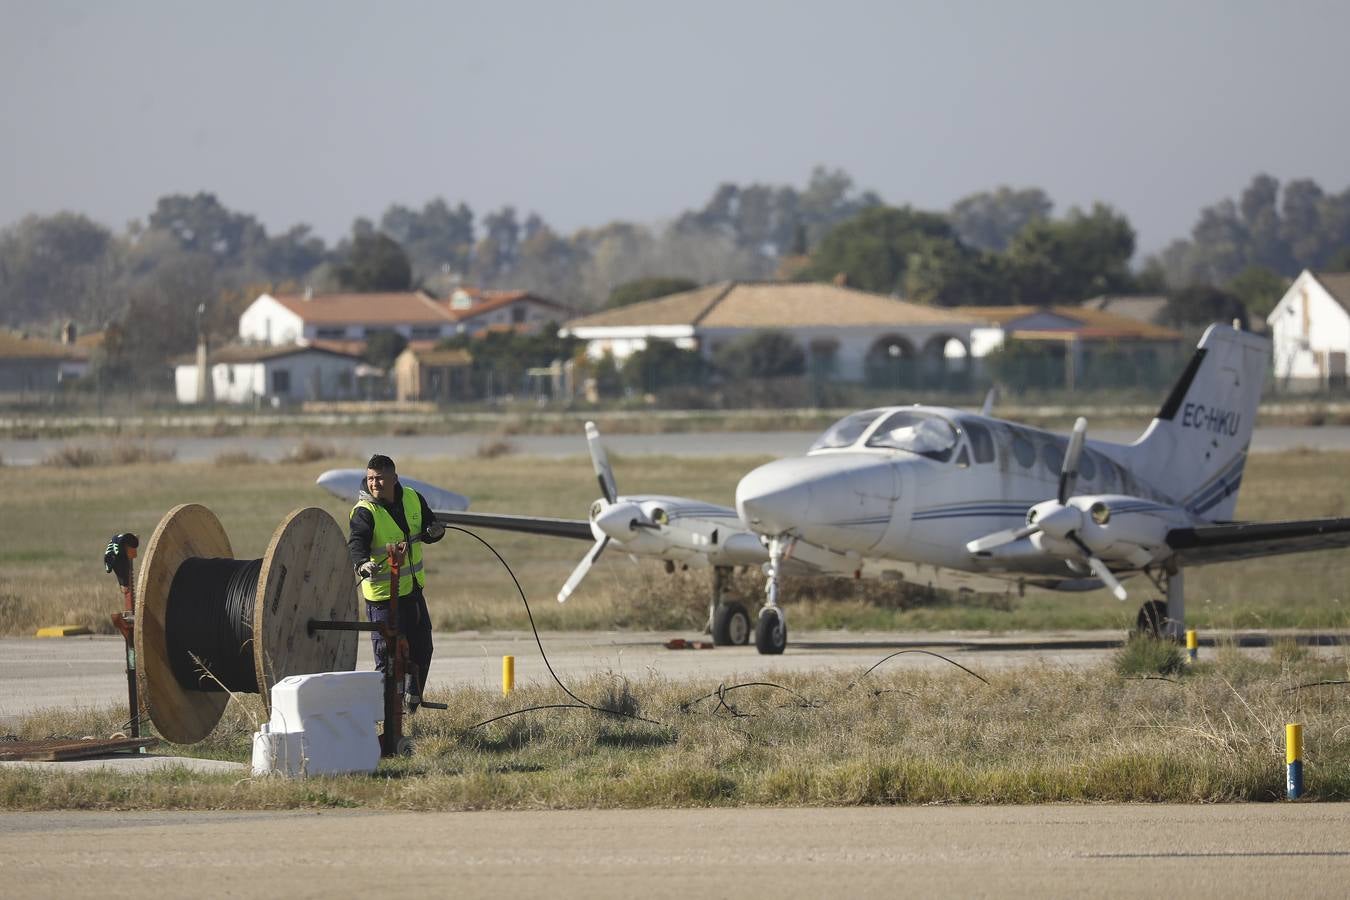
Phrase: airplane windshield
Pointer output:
(922, 433)
(846, 431)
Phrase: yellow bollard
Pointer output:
(508, 675)
(1192, 645)
(1293, 760)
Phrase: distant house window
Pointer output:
(344, 379)
(281, 381)
(518, 313)
(330, 334)
(426, 332)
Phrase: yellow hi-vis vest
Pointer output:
(376, 588)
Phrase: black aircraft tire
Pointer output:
(770, 633)
(1152, 619)
(731, 625)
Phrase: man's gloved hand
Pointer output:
(433, 532)
(119, 553)
(112, 552)
(367, 569)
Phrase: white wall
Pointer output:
(313, 376)
(1302, 339)
(268, 322)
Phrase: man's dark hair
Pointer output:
(381, 463)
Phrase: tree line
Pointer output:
(194, 263)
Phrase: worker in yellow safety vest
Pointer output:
(389, 513)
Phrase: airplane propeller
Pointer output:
(613, 518)
(1058, 518)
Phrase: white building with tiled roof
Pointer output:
(261, 373)
(858, 325)
(1310, 328)
(310, 318)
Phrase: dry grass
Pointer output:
(236, 458)
(308, 451)
(51, 570)
(495, 446)
(897, 736)
(115, 453)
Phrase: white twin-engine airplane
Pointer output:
(934, 494)
(935, 487)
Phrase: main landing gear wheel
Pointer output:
(1152, 619)
(731, 625)
(770, 632)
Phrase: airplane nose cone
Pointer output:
(844, 501)
(773, 498)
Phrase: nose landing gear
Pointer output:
(771, 629)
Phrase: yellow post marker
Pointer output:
(1192, 645)
(508, 675)
(1293, 759)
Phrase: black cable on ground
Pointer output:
(1299, 687)
(582, 704)
(915, 650)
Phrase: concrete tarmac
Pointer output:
(37, 673)
(1251, 850)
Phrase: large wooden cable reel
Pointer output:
(304, 575)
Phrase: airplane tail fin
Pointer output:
(1195, 449)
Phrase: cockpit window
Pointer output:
(981, 442)
(846, 431)
(922, 433)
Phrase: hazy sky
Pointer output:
(587, 112)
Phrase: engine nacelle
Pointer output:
(1116, 528)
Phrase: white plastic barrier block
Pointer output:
(322, 724)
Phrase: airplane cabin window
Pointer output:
(846, 431)
(963, 459)
(917, 432)
(1087, 466)
(1023, 451)
(1052, 455)
(981, 442)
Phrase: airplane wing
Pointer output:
(568, 528)
(1247, 540)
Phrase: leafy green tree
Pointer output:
(1340, 260)
(434, 237)
(383, 347)
(375, 262)
(1202, 304)
(200, 223)
(661, 365)
(1071, 259)
(874, 249)
(761, 354)
(50, 266)
(1258, 289)
(641, 289)
(989, 220)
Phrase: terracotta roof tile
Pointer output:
(366, 309)
(774, 305)
(1093, 323)
(13, 346)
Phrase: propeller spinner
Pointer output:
(1058, 518)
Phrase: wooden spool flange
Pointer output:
(305, 575)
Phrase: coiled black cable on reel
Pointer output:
(209, 624)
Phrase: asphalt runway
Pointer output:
(1250, 850)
